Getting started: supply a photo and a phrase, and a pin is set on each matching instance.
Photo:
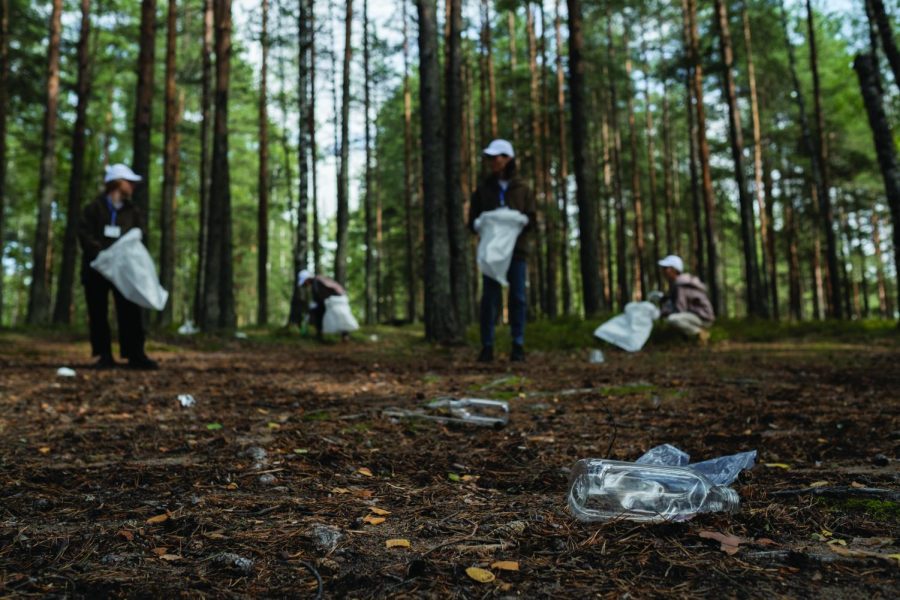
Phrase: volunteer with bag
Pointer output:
(104, 221)
(502, 189)
(686, 307)
(330, 308)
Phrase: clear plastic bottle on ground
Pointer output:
(603, 490)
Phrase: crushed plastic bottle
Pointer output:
(65, 372)
(603, 490)
(595, 357)
(186, 400)
(477, 411)
(720, 471)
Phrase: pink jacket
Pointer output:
(688, 294)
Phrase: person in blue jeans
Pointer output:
(502, 187)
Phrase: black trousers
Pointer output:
(128, 316)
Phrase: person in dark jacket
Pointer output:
(686, 306)
(502, 187)
(103, 221)
(322, 288)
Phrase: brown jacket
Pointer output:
(518, 197)
(688, 294)
(325, 287)
(94, 218)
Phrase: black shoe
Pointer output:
(143, 363)
(487, 355)
(105, 361)
(518, 353)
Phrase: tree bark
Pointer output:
(616, 143)
(306, 133)
(205, 100)
(513, 67)
(826, 211)
(551, 207)
(62, 312)
(411, 280)
(369, 198)
(640, 272)
(4, 107)
(343, 204)
(584, 176)
(699, 259)
(884, 143)
(883, 304)
(457, 234)
(537, 159)
(170, 168)
(795, 302)
(440, 322)
(756, 302)
(311, 136)
(39, 299)
(668, 173)
(491, 77)
(563, 170)
(709, 200)
(220, 309)
(262, 186)
(885, 32)
(143, 109)
(651, 169)
(772, 261)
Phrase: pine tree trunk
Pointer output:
(220, 308)
(170, 167)
(4, 108)
(537, 158)
(39, 299)
(440, 324)
(62, 312)
(584, 176)
(343, 203)
(551, 207)
(651, 171)
(411, 280)
(768, 278)
(306, 133)
(205, 100)
(795, 303)
(884, 144)
(885, 32)
(563, 169)
(262, 186)
(640, 271)
(616, 144)
(756, 302)
(491, 78)
(699, 262)
(311, 129)
(772, 261)
(369, 198)
(883, 305)
(143, 109)
(826, 211)
(513, 67)
(457, 234)
(668, 175)
(709, 199)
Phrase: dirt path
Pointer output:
(109, 487)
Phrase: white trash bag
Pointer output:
(129, 267)
(338, 318)
(630, 330)
(498, 230)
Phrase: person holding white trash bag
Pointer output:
(102, 223)
(686, 306)
(502, 210)
(329, 309)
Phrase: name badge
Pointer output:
(112, 231)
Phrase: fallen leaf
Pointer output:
(729, 544)
(453, 477)
(158, 519)
(505, 587)
(340, 490)
(160, 551)
(837, 542)
(231, 486)
(213, 426)
(784, 466)
(170, 557)
(364, 471)
(480, 575)
(125, 534)
(363, 493)
(398, 543)
(765, 542)
(44, 449)
(301, 450)
(373, 520)
(818, 484)
(506, 565)
(857, 485)
(380, 511)
(470, 478)
(273, 425)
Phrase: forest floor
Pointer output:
(286, 469)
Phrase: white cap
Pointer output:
(673, 261)
(120, 171)
(303, 276)
(498, 147)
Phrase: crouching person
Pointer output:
(322, 288)
(686, 306)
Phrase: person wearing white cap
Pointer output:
(322, 288)
(102, 222)
(686, 306)
(503, 188)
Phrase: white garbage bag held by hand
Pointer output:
(338, 318)
(630, 330)
(129, 267)
(498, 230)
